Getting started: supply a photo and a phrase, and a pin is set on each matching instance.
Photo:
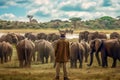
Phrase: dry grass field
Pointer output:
(38, 71)
(51, 30)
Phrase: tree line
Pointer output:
(105, 22)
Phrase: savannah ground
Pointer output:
(38, 71)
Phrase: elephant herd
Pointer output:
(50, 37)
(88, 36)
(40, 47)
(100, 43)
(26, 46)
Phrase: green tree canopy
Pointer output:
(75, 19)
(108, 18)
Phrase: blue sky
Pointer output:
(46, 10)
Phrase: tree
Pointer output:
(30, 17)
(118, 17)
(108, 18)
(74, 21)
(107, 21)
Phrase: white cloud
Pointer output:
(7, 16)
(12, 17)
(53, 7)
(42, 2)
(32, 12)
(88, 5)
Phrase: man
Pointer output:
(62, 55)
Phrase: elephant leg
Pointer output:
(29, 63)
(46, 59)
(38, 57)
(75, 64)
(33, 57)
(106, 62)
(5, 58)
(103, 60)
(51, 58)
(21, 63)
(71, 63)
(54, 65)
(80, 61)
(10, 57)
(114, 63)
(86, 57)
(42, 60)
(1, 60)
(98, 59)
(25, 63)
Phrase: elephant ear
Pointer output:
(98, 44)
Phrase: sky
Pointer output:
(46, 10)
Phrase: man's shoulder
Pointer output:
(64, 40)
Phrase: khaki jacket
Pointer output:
(62, 52)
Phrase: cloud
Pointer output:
(41, 14)
(12, 17)
(88, 5)
(64, 9)
(7, 16)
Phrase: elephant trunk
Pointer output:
(97, 53)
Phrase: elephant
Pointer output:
(55, 37)
(25, 50)
(86, 47)
(95, 35)
(52, 37)
(108, 48)
(114, 35)
(36, 49)
(76, 53)
(31, 36)
(45, 49)
(1, 54)
(10, 37)
(5, 51)
(83, 36)
(20, 37)
(41, 36)
(69, 31)
(26, 34)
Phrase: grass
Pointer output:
(11, 71)
(51, 30)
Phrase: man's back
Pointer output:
(62, 50)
